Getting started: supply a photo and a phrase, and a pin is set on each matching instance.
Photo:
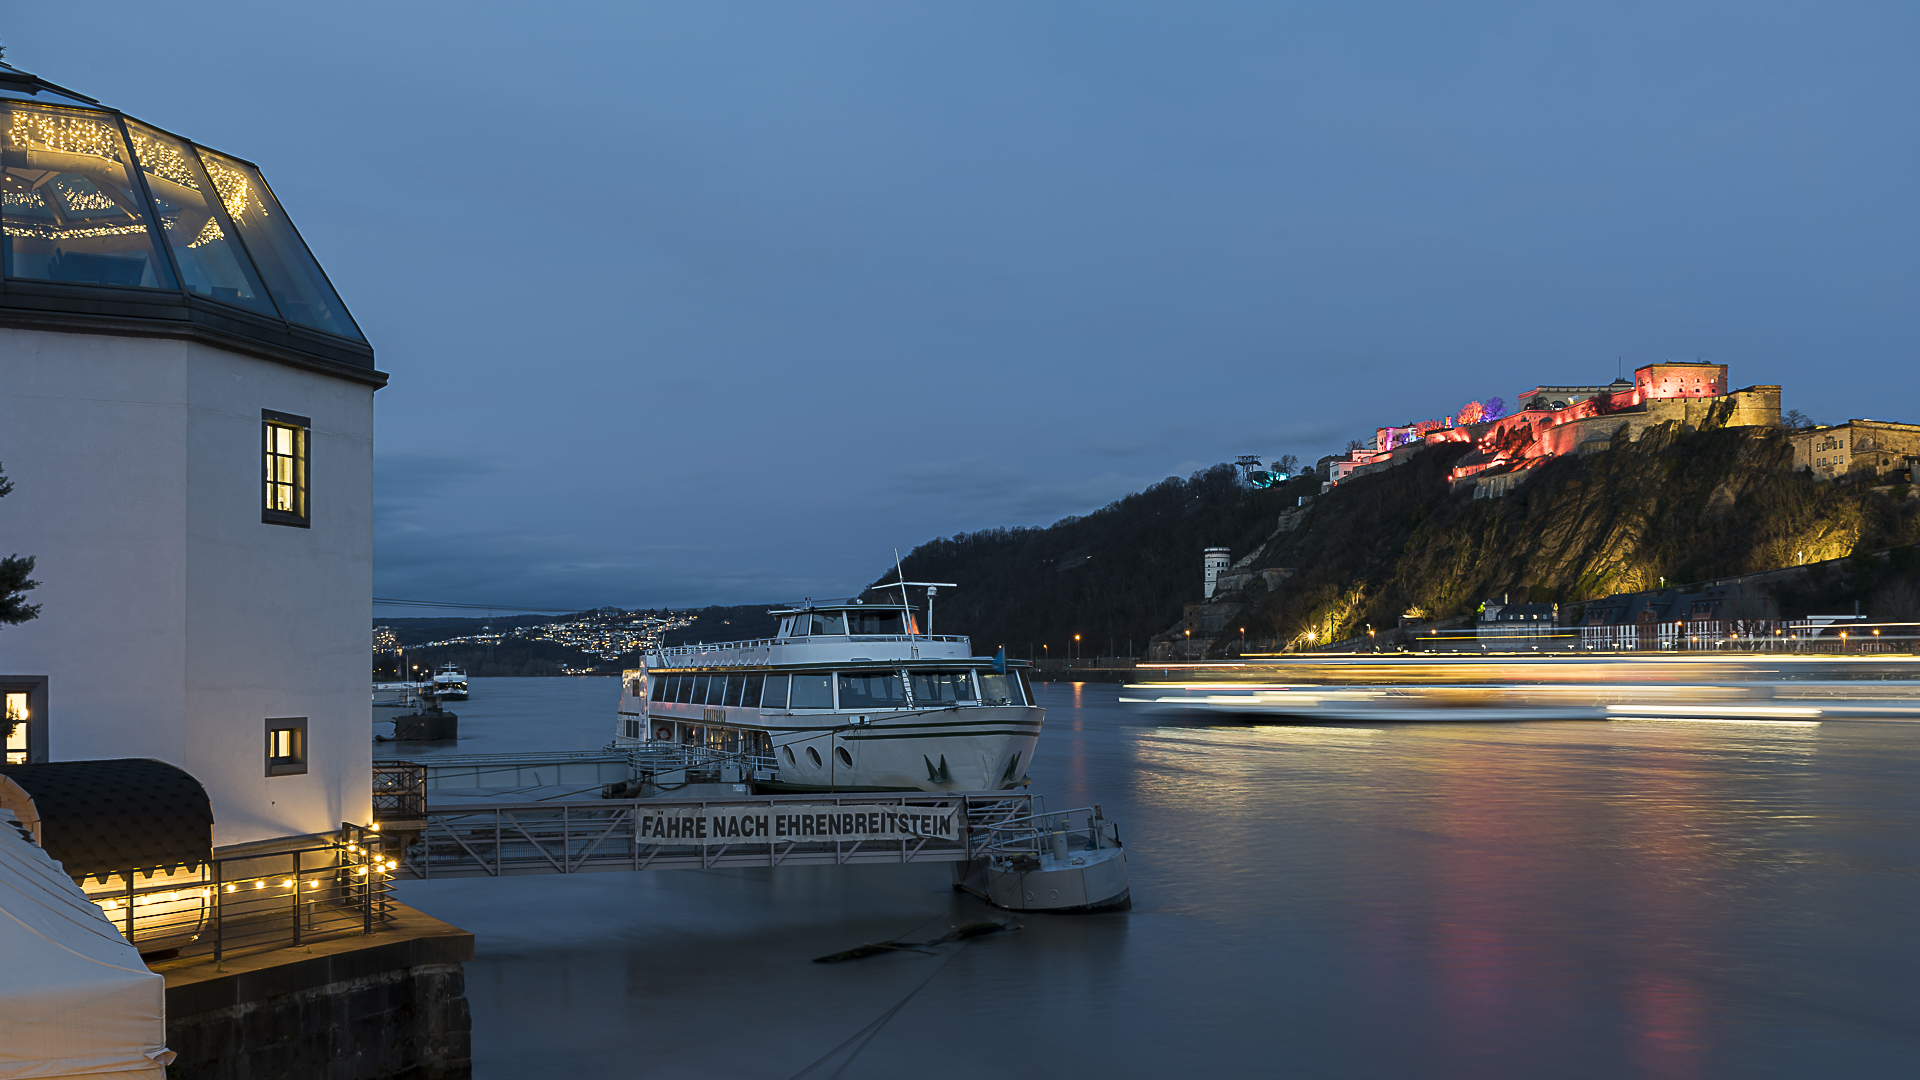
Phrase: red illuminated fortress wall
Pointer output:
(1592, 419)
(1681, 380)
(1684, 392)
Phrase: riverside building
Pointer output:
(1880, 449)
(188, 424)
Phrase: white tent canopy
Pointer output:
(75, 1000)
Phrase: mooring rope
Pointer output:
(866, 1034)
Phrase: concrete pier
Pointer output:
(389, 1005)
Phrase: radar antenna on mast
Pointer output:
(931, 586)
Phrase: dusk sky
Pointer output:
(723, 302)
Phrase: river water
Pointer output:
(1645, 898)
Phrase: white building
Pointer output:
(188, 422)
(1214, 562)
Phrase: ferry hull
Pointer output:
(984, 748)
(977, 748)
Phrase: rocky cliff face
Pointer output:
(1678, 504)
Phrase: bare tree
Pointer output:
(1795, 420)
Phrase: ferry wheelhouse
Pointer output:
(848, 696)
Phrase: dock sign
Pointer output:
(797, 823)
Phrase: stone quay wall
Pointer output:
(389, 1005)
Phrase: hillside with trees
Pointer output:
(1678, 506)
(1116, 576)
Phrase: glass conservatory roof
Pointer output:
(103, 216)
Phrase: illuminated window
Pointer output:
(18, 713)
(283, 440)
(71, 206)
(287, 746)
(23, 723)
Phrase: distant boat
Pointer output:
(450, 683)
(848, 696)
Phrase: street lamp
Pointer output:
(1076, 645)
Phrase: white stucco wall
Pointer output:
(175, 622)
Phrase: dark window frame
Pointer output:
(784, 681)
(296, 764)
(302, 468)
(35, 687)
(832, 684)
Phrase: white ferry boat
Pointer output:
(848, 696)
(450, 683)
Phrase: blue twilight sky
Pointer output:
(721, 302)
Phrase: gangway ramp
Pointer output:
(583, 836)
(553, 769)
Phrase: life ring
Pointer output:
(663, 733)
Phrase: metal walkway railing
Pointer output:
(265, 898)
(605, 835)
(401, 787)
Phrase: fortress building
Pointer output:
(1557, 420)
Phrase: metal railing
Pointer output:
(1033, 834)
(686, 651)
(258, 900)
(658, 761)
(774, 830)
(399, 789)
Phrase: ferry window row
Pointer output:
(881, 622)
(846, 690)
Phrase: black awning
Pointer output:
(104, 818)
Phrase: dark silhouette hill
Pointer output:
(1117, 575)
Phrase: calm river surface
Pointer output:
(1491, 900)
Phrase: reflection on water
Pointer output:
(1603, 899)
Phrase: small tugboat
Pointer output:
(847, 696)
